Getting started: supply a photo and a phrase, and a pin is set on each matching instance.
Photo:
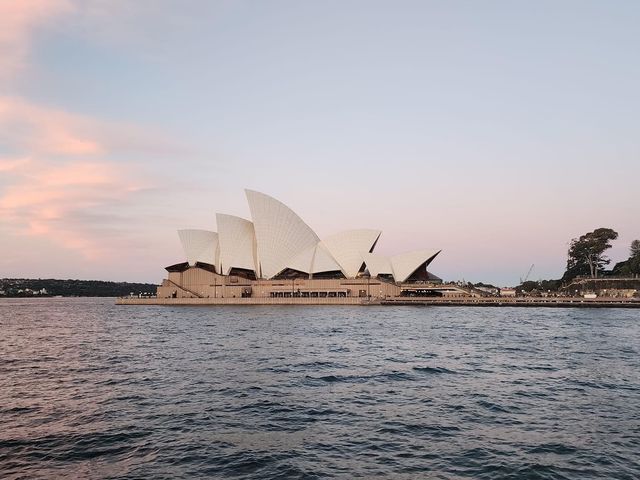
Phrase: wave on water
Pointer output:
(92, 390)
(434, 370)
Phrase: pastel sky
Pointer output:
(494, 130)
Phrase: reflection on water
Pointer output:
(89, 389)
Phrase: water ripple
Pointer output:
(91, 390)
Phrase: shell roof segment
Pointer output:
(323, 261)
(377, 264)
(281, 235)
(405, 264)
(303, 262)
(199, 246)
(346, 248)
(237, 243)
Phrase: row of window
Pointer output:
(307, 294)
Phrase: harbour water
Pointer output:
(89, 389)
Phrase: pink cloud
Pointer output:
(44, 130)
(10, 164)
(44, 196)
(17, 21)
(61, 182)
(60, 170)
(71, 187)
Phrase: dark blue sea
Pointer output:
(89, 389)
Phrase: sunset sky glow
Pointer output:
(496, 131)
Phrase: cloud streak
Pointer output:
(44, 131)
(18, 20)
(43, 198)
(58, 166)
(61, 166)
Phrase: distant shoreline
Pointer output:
(53, 287)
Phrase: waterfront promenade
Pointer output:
(577, 302)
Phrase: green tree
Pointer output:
(586, 253)
(630, 266)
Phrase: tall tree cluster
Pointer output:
(631, 266)
(586, 253)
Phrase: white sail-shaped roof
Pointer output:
(199, 246)
(303, 262)
(377, 264)
(281, 235)
(237, 243)
(347, 247)
(323, 261)
(315, 259)
(407, 263)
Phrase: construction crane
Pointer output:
(526, 277)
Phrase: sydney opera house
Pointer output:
(277, 254)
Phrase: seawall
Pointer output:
(576, 302)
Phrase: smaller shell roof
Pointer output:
(199, 246)
(346, 248)
(405, 264)
(377, 264)
(237, 243)
(323, 261)
(314, 259)
(303, 262)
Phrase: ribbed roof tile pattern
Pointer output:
(315, 259)
(281, 235)
(405, 264)
(377, 264)
(323, 261)
(303, 262)
(199, 246)
(237, 243)
(347, 247)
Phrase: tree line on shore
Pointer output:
(586, 258)
(23, 287)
